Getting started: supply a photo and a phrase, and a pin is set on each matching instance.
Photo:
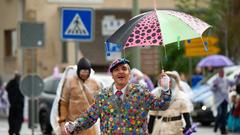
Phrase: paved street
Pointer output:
(209, 131)
(26, 131)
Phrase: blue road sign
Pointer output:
(77, 24)
(113, 51)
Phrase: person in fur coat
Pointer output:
(77, 95)
(176, 119)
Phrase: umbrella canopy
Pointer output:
(158, 27)
(215, 61)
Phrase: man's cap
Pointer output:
(118, 62)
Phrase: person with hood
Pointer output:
(121, 108)
(77, 95)
(170, 122)
(16, 100)
(183, 86)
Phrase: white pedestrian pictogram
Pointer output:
(77, 27)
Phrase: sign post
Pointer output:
(31, 36)
(77, 25)
(32, 86)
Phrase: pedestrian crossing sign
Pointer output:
(77, 24)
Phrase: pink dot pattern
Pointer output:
(146, 33)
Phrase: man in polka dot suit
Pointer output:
(123, 107)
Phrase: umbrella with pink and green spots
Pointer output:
(158, 27)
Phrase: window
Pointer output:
(64, 52)
(10, 43)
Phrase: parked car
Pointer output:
(202, 97)
(49, 93)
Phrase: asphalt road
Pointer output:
(26, 131)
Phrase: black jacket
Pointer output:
(15, 97)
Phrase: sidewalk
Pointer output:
(24, 130)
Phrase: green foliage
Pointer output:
(222, 15)
(226, 25)
(174, 58)
(184, 5)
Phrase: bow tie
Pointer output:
(118, 93)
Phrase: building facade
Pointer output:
(55, 51)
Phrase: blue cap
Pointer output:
(118, 62)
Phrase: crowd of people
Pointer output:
(233, 120)
(119, 114)
(132, 105)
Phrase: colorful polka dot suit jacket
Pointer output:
(127, 116)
